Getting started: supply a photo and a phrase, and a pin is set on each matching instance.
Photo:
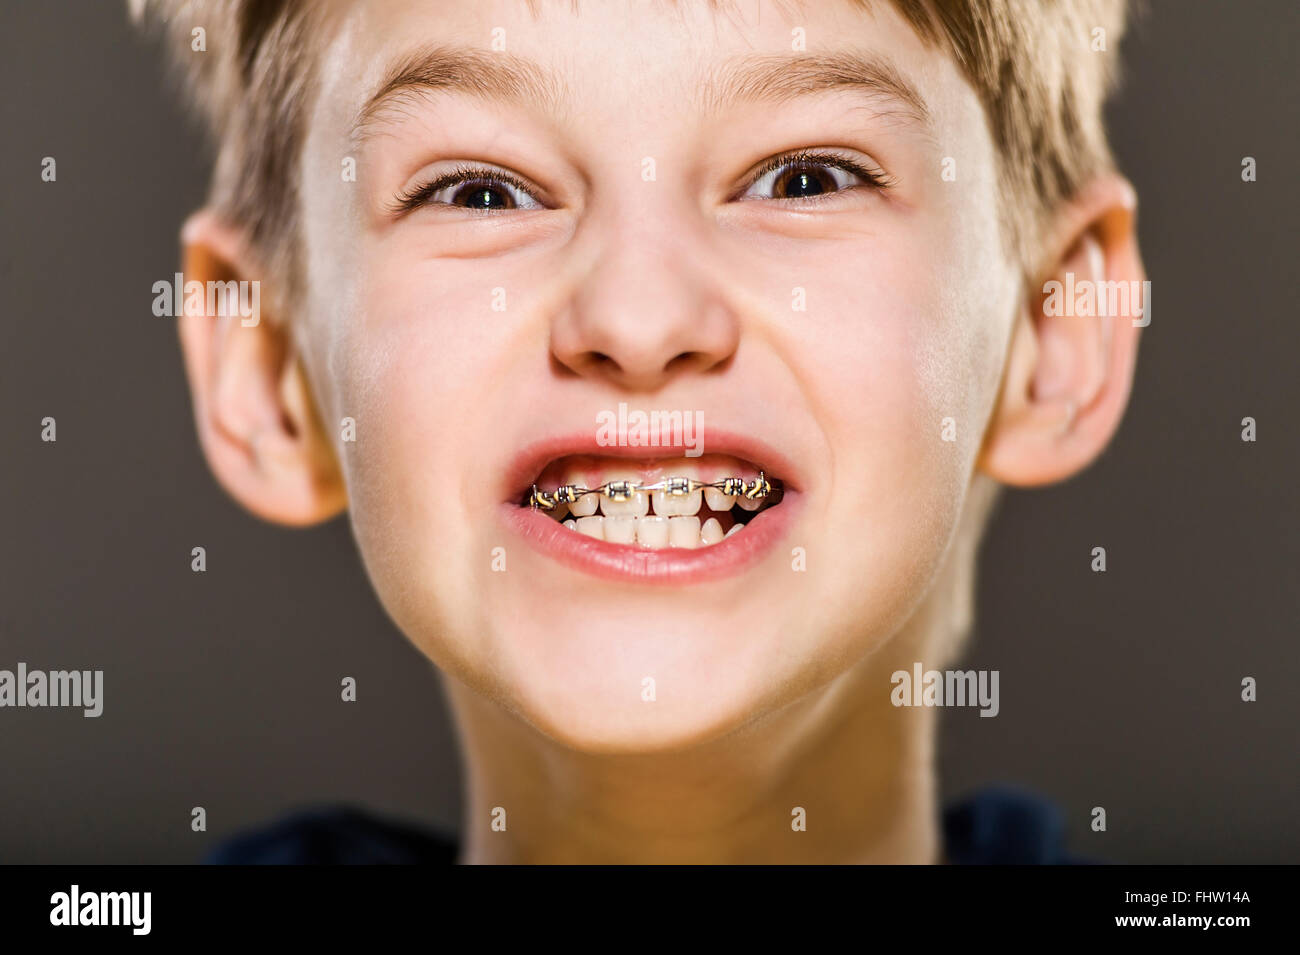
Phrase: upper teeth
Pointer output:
(624, 491)
(624, 505)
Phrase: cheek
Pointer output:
(412, 375)
(414, 358)
(899, 368)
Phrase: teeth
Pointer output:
(711, 532)
(635, 506)
(684, 531)
(619, 528)
(652, 531)
(718, 501)
(585, 506)
(621, 515)
(669, 505)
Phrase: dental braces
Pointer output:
(754, 490)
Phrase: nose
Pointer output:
(646, 311)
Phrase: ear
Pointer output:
(253, 408)
(1072, 353)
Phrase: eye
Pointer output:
(476, 188)
(811, 175)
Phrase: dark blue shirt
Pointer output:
(994, 826)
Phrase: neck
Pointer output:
(862, 771)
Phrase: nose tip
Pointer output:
(639, 325)
(644, 369)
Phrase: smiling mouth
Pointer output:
(654, 505)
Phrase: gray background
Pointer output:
(1118, 689)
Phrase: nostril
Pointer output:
(600, 363)
(698, 361)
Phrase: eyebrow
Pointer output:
(749, 78)
(778, 78)
(492, 76)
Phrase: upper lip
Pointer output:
(529, 461)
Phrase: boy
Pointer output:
(666, 358)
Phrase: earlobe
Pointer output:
(1073, 349)
(253, 408)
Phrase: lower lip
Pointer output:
(674, 566)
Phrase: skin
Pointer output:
(772, 686)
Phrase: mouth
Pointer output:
(654, 504)
(651, 518)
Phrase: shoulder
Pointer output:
(1006, 825)
(998, 825)
(334, 835)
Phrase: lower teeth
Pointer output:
(652, 531)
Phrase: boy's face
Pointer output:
(822, 328)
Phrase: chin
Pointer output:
(632, 682)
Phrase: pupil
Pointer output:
(485, 197)
(801, 183)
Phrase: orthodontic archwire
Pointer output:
(754, 490)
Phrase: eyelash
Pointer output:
(873, 178)
(465, 174)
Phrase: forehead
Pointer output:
(590, 59)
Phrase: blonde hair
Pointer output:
(1041, 68)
